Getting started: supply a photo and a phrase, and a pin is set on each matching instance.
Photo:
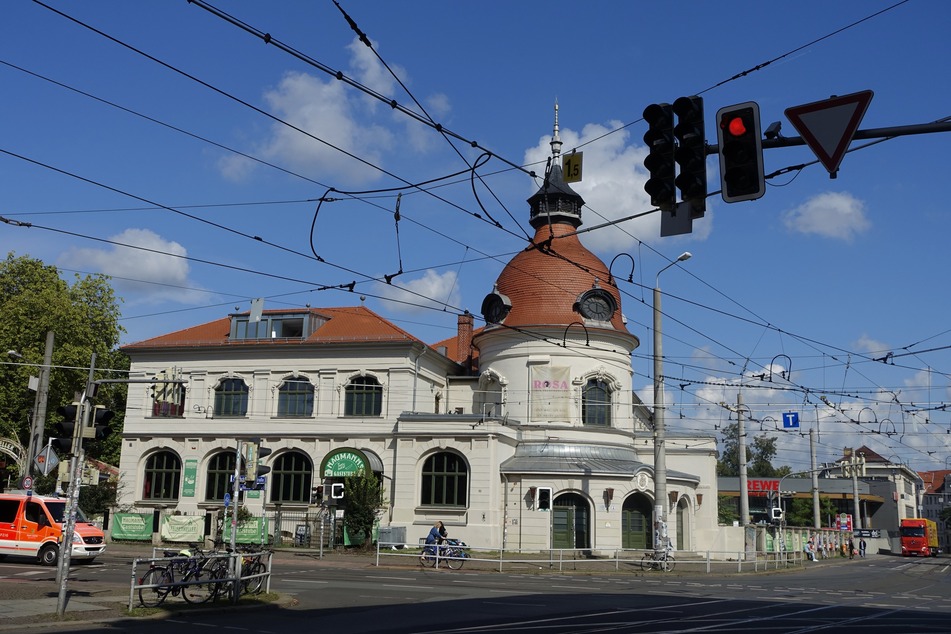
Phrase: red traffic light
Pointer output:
(736, 126)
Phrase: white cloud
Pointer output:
(325, 111)
(612, 187)
(149, 276)
(871, 346)
(344, 119)
(831, 215)
(431, 290)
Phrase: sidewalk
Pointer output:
(32, 596)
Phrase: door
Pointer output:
(636, 522)
(570, 522)
(9, 511)
(35, 528)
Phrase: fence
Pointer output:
(623, 560)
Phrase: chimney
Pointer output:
(464, 337)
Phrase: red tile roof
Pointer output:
(544, 283)
(347, 324)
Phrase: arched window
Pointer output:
(231, 398)
(163, 476)
(291, 476)
(596, 403)
(445, 480)
(218, 477)
(295, 397)
(364, 397)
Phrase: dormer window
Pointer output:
(275, 326)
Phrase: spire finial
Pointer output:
(555, 139)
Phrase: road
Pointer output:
(349, 594)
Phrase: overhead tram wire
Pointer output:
(162, 123)
(366, 41)
(761, 65)
(340, 76)
(264, 112)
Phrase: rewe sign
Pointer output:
(757, 486)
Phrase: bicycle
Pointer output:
(185, 574)
(659, 560)
(251, 577)
(452, 551)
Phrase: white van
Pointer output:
(32, 526)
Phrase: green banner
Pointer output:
(133, 526)
(191, 477)
(252, 531)
(182, 528)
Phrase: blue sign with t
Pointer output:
(791, 420)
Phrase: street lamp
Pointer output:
(660, 452)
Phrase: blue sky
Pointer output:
(163, 126)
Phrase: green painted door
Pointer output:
(636, 522)
(562, 527)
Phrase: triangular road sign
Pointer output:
(828, 126)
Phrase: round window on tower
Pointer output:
(495, 307)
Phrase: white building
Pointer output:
(525, 433)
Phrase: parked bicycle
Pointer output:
(659, 559)
(451, 551)
(185, 573)
(252, 575)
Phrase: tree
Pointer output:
(799, 511)
(760, 452)
(363, 497)
(84, 316)
(726, 510)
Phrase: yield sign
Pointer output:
(828, 126)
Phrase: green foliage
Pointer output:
(363, 497)
(84, 317)
(726, 510)
(760, 452)
(799, 511)
(945, 515)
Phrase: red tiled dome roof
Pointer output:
(544, 281)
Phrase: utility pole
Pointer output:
(816, 519)
(39, 406)
(741, 460)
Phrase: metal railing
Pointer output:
(577, 559)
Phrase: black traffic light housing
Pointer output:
(741, 152)
(261, 470)
(66, 428)
(336, 490)
(101, 419)
(660, 157)
(691, 153)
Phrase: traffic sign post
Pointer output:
(828, 126)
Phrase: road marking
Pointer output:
(303, 581)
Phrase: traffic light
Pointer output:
(67, 427)
(660, 158)
(691, 153)
(741, 152)
(261, 470)
(336, 490)
(776, 514)
(101, 418)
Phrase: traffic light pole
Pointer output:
(72, 494)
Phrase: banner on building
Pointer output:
(550, 392)
(131, 526)
(182, 528)
(191, 477)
